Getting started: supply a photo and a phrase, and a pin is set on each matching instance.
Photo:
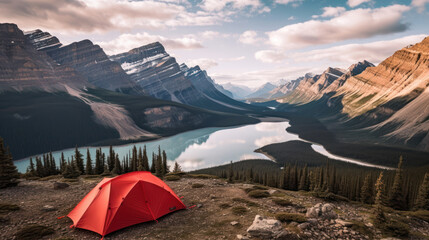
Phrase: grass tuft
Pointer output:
(290, 217)
(172, 177)
(282, 202)
(239, 210)
(197, 185)
(31, 232)
(258, 194)
(7, 207)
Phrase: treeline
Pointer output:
(404, 188)
(102, 164)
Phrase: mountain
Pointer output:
(287, 87)
(23, 67)
(160, 76)
(87, 59)
(262, 91)
(311, 88)
(388, 103)
(395, 95)
(48, 103)
(238, 91)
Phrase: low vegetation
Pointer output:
(245, 201)
(7, 207)
(172, 178)
(282, 202)
(31, 232)
(239, 210)
(197, 185)
(290, 217)
(258, 194)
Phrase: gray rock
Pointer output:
(241, 237)
(60, 185)
(234, 223)
(265, 228)
(304, 226)
(272, 191)
(325, 211)
(344, 223)
(48, 208)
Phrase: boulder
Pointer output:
(234, 223)
(344, 223)
(325, 211)
(48, 208)
(268, 229)
(272, 191)
(60, 185)
(304, 226)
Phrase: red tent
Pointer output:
(123, 201)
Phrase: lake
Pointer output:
(206, 147)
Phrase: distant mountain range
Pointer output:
(241, 92)
(54, 96)
(389, 101)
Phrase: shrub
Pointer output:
(245, 201)
(282, 202)
(255, 187)
(202, 176)
(330, 197)
(258, 194)
(172, 178)
(32, 178)
(291, 217)
(33, 232)
(421, 214)
(397, 228)
(239, 210)
(50, 177)
(6, 207)
(224, 205)
(197, 185)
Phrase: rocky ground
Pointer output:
(223, 211)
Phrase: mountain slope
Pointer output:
(262, 91)
(160, 76)
(287, 88)
(238, 91)
(87, 59)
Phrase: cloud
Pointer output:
(353, 24)
(126, 42)
(218, 5)
(233, 59)
(264, 141)
(213, 35)
(355, 3)
(332, 11)
(419, 4)
(84, 16)
(269, 56)
(294, 3)
(249, 37)
(291, 18)
(374, 52)
(204, 63)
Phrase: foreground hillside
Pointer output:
(222, 211)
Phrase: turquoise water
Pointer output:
(200, 148)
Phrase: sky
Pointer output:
(245, 42)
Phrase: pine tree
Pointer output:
(88, 169)
(145, 160)
(8, 173)
(379, 200)
(111, 158)
(134, 159)
(303, 184)
(177, 167)
(158, 165)
(152, 166)
(140, 160)
(165, 169)
(98, 169)
(117, 169)
(396, 198)
(62, 163)
(79, 160)
(106, 170)
(422, 201)
(31, 171)
(366, 190)
(231, 173)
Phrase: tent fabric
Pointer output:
(123, 201)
